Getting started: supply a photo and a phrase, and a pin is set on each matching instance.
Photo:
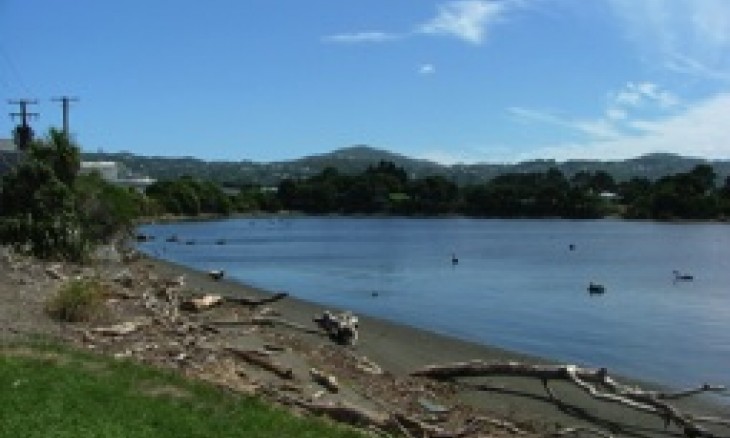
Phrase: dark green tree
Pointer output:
(38, 210)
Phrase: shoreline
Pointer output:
(400, 349)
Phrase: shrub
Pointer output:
(77, 300)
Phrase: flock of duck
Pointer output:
(593, 288)
(597, 288)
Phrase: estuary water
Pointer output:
(517, 284)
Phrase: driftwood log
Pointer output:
(197, 304)
(263, 361)
(589, 380)
(341, 328)
(327, 380)
(121, 329)
(393, 423)
(265, 321)
(256, 301)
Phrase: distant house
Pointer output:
(609, 196)
(7, 145)
(111, 171)
(8, 155)
(108, 170)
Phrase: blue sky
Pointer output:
(452, 81)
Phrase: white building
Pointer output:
(7, 145)
(110, 171)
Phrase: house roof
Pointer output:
(7, 145)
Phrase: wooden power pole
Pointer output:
(65, 101)
(23, 132)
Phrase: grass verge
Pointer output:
(52, 391)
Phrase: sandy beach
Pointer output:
(397, 349)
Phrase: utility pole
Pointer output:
(65, 100)
(23, 132)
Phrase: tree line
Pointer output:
(49, 209)
(386, 189)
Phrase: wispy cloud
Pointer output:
(686, 36)
(426, 69)
(598, 128)
(361, 37)
(467, 20)
(639, 118)
(700, 129)
(647, 97)
(638, 96)
(693, 67)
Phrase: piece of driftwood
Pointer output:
(502, 424)
(265, 321)
(120, 329)
(197, 304)
(327, 380)
(244, 301)
(367, 366)
(589, 380)
(578, 429)
(350, 414)
(178, 282)
(391, 422)
(54, 271)
(342, 328)
(262, 360)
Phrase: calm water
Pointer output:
(517, 285)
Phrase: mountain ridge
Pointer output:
(355, 159)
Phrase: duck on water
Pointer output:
(678, 276)
(595, 288)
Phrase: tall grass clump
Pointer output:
(77, 301)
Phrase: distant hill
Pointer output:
(357, 158)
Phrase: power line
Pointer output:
(13, 70)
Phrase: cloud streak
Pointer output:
(466, 20)
(700, 130)
(686, 36)
(426, 69)
(361, 37)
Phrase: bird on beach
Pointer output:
(216, 274)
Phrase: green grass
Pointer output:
(51, 391)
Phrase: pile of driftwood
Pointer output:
(341, 328)
(163, 299)
(595, 382)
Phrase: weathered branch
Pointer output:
(266, 321)
(691, 391)
(327, 380)
(586, 379)
(244, 301)
(477, 368)
(578, 429)
(263, 361)
(196, 304)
